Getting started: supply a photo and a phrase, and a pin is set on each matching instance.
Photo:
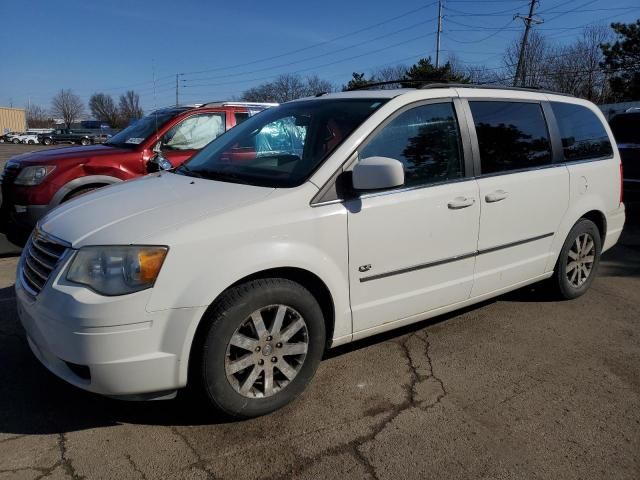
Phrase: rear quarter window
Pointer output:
(582, 133)
(511, 135)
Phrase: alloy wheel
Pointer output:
(580, 260)
(267, 351)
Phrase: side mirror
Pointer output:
(376, 173)
(159, 162)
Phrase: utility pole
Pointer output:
(439, 33)
(177, 89)
(528, 21)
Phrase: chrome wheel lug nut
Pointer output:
(279, 345)
(274, 359)
(260, 362)
(269, 338)
(258, 348)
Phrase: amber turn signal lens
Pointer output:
(150, 261)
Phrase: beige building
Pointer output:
(12, 120)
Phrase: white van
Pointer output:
(313, 224)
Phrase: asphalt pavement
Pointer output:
(517, 387)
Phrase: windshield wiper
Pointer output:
(224, 177)
(184, 170)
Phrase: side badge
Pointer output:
(364, 268)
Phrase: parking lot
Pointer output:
(517, 387)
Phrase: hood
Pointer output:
(128, 212)
(51, 155)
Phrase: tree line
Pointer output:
(601, 65)
(69, 107)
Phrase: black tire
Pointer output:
(30, 142)
(47, 141)
(15, 141)
(232, 312)
(79, 192)
(85, 142)
(561, 282)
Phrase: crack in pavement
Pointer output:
(200, 462)
(304, 463)
(66, 462)
(134, 466)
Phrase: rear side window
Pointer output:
(625, 128)
(511, 136)
(241, 117)
(426, 140)
(583, 135)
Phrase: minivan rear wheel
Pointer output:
(262, 345)
(578, 260)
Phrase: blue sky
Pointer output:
(224, 48)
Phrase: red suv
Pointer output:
(34, 183)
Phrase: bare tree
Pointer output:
(534, 65)
(287, 87)
(316, 85)
(575, 68)
(389, 74)
(130, 108)
(68, 106)
(103, 108)
(37, 117)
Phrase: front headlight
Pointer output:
(117, 270)
(33, 175)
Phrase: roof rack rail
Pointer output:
(380, 84)
(492, 87)
(425, 84)
(240, 104)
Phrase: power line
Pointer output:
(333, 52)
(480, 40)
(326, 42)
(501, 13)
(528, 21)
(261, 60)
(420, 37)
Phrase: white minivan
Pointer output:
(316, 223)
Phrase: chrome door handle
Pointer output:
(496, 196)
(461, 202)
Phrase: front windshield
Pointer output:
(138, 132)
(281, 146)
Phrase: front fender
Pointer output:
(79, 183)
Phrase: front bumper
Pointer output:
(107, 345)
(25, 216)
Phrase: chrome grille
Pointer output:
(40, 258)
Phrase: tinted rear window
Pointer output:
(583, 135)
(511, 135)
(626, 127)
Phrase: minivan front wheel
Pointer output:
(578, 260)
(263, 344)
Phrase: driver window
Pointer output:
(426, 139)
(277, 144)
(281, 137)
(194, 132)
